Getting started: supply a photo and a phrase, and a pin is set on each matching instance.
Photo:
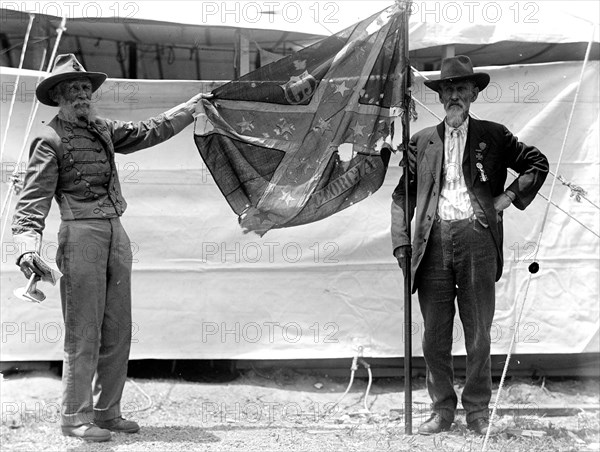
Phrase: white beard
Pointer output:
(70, 113)
(455, 116)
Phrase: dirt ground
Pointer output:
(286, 410)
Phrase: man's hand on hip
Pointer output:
(502, 201)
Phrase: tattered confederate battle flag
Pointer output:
(302, 138)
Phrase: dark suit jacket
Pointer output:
(498, 150)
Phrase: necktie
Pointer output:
(452, 168)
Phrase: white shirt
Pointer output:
(454, 203)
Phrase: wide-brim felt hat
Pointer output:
(458, 69)
(66, 67)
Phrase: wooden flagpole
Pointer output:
(406, 101)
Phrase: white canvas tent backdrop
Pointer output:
(453, 21)
(315, 17)
(491, 22)
(202, 289)
(217, 40)
(433, 23)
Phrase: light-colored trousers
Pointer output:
(95, 259)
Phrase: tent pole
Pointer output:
(161, 75)
(197, 61)
(132, 55)
(406, 80)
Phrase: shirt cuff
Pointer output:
(511, 195)
(27, 242)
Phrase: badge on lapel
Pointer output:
(479, 157)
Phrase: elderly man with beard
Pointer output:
(73, 160)
(457, 173)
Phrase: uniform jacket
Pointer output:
(488, 143)
(75, 164)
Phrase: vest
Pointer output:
(88, 184)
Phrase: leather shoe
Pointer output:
(88, 432)
(435, 424)
(120, 425)
(480, 426)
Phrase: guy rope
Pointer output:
(14, 93)
(534, 267)
(15, 179)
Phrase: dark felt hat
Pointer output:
(457, 69)
(66, 67)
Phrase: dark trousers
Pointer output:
(95, 259)
(459, 263)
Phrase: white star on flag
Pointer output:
(300, 65)
(245, 125)
(287, 198)
(358, 129)
(341, 88)
(283, 128)
(323, 125)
